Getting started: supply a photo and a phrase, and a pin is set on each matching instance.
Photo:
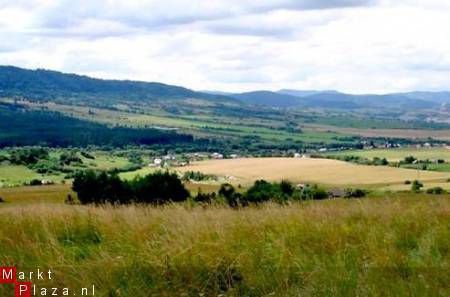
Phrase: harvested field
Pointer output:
(323, 171)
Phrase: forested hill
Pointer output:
(21, 127)
(52, 85)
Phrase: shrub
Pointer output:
(377, 161)
(286, 188)
(197, 176)
(416, 186)
(204, 197)
(69, 200)
(409, 160)
(436, 191)
(135, 158)
(46, 166)
(261, 191)
(68, 158)
(315, 193)
(355, 193)
(87, 155)
(35, 182)
(228, 192)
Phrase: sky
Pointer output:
(357, 46)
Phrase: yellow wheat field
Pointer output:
(322, 171)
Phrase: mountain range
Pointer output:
(337, 100)
(50, 85)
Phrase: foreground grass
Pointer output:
(393, 246)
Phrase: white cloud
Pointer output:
(349, 45)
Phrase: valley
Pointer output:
(133, 185)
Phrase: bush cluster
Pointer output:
(28, 156)
(157, 188)
(163, 187)
(264, 191)
(376, 161)
(198, 176)
(436, 191)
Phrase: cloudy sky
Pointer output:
(356, 46)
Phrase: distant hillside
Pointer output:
(52, 85)
(336, 100)
(268, 98)
(304, 93)
(439, 97)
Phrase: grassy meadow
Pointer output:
(368, 247)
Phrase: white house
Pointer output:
(157, 161)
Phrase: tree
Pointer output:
(355, 193)
(100, 188)
(204, 197)
(159, 188)
(228, 192)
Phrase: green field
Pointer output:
(16, 175)
(140, 172)
(369, 247)
(444, 167)
(400, 154)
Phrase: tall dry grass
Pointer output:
(370, 247)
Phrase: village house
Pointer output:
(216, 156)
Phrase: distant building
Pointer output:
(297, 155)
(157, 162)
(216, 156)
